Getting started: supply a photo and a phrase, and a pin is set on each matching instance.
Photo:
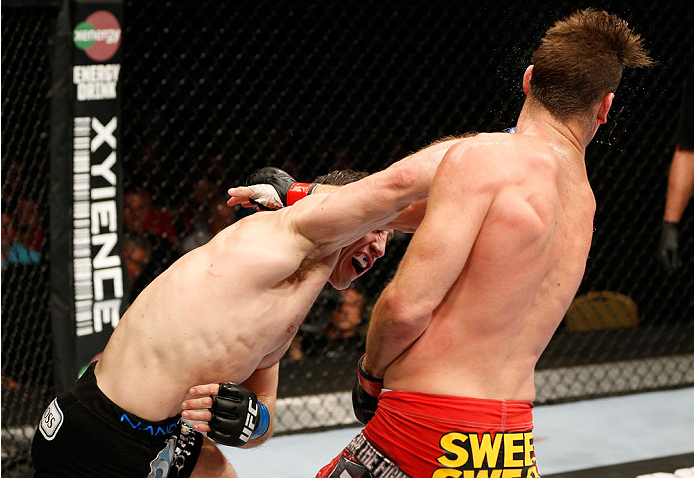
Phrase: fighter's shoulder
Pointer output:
(257, 228)
(477, 146)
(295, 215)
(504, 149)
(476, 156)
(266, 241)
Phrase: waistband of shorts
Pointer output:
(87, 391)
(373, 460)
(499, 415)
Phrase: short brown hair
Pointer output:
(581, 59)
(341, 177)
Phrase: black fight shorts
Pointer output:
(84, 434)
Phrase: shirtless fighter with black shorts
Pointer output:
(225, 312)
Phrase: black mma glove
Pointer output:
(365, 394)
(237, 416)
(274, 188)
(668, 250)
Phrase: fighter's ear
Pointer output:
(605, 105)
(526, 78)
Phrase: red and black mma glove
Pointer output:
(365, 393)
(283, 190)
(237, 416)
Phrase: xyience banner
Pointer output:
(87, 268)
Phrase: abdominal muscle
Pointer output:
(151, 381)
(190, 328)
(164, 345)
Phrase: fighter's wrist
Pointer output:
(368, 382)
(299, 191)
(263, 422)
(670, 227)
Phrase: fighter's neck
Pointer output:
(537, 121)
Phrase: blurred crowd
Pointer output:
(23, 234)
(168, 212)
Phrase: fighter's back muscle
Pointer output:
(539, 224)
(520, 276)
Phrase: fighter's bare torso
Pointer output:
(228, 310)
(217, 314)
(519, 278)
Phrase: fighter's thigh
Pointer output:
(212, 463)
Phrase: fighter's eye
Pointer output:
(389, 236)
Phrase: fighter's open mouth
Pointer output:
(360, 262)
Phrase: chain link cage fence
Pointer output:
(27, 357)
(214, 90)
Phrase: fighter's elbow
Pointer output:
(404, 317)
(402, 179)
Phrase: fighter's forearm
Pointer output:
(264, 383)
(420, 166)
(325, 189)
(680, 185)
(425, 162)
(410, 218)
(391, 332)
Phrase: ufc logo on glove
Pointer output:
(250, 422)
(237, 416)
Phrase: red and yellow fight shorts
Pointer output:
(442, 436)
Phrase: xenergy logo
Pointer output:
(99, 35)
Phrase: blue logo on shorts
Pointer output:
(149, 428)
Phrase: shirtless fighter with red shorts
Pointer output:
(446, 387)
